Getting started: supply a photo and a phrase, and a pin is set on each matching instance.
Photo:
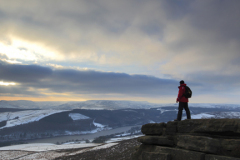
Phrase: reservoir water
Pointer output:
(90, 136)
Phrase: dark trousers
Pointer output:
(180, 109)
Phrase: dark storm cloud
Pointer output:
(23, 73)
(83, 81)
(110, 82)
(18, 91)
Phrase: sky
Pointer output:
(136, 50)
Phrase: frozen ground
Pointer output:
(41, 147)
(228, 115)
(213, 105)
(77, 116)
(47, 151)
(165, 110)
(98, 124)
(52, 151)
(120, 151)
(215, 115)
(23, 117)
(200, 116)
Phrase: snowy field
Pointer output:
(24, 117)
(113, 140)
(100, 127)
(94, 148)
(214, 115)
(42, 147)
(165, 110)
(213, 105)
(77, 116)
(51, 151)
(200, 116)
(229, 114)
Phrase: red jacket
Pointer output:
(181, 91)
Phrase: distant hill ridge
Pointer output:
(196, 139)
(101, 104)
(90, 104)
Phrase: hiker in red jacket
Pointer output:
(183, 102)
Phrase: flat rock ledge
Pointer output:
(195, 139)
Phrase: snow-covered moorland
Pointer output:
(52, 151)
(77, 116)
(24, 117)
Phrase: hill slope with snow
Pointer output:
(23, 117)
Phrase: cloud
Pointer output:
(88, 82)
(197, 41)
(87, 31)
(23, 73)
(121, 33)
(207, 45)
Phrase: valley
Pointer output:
(24, 125)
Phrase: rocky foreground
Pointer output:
(121, 150)
(198, 139)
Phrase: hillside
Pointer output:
(21, 125)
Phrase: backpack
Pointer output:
(188, 92)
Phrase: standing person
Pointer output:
(183, 102)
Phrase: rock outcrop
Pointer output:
(196, 139)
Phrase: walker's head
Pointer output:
(181, 82)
